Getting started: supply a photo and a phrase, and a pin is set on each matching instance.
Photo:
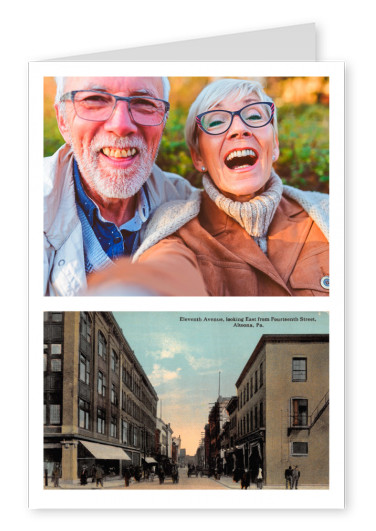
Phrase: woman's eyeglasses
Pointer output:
(254, 115)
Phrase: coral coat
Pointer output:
(231, 263)
(213, 255)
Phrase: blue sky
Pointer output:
(183, 358)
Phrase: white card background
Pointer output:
(35, 32)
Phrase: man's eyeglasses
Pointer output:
(98, 106)
(253, 115)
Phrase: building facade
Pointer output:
(283, 408)
(99, 406)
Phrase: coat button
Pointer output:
(325, 282)
(117, 240)
(61, 262)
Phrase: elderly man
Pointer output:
(102, 186)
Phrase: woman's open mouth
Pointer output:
(241, 158)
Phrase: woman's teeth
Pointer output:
(119, 153)
(241, 158)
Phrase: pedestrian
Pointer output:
(56, 474)
(246, 479)
(99, 475)
(259, 479)
(127, 476)
(288, 473)
(295, 477)
(83, 477)
(93, 473)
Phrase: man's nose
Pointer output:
(120, 121)
(238, 128)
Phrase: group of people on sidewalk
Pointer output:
(292, 476)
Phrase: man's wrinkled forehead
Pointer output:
(151, 86)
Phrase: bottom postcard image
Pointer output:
(194, 400)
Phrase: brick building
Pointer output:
(283, 408)
(99, 406)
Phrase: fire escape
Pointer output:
(306, 422)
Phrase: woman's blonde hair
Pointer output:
(216, 92)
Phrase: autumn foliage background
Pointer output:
(303, 125)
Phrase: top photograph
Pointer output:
(186, 186)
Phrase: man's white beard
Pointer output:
(114, 183)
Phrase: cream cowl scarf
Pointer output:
(255, 215)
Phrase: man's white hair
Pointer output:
(216, 92)
(60, 84)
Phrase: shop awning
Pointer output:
(150, 461)
(105, 451)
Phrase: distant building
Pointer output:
(283, 408)
(164, 435)
(99, 406)
(218, 417)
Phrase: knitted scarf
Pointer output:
(255, 215)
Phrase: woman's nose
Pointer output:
(238, 128)
(120, 121)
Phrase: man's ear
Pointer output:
(197, 160)
(61, 122)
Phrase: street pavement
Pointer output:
(185, 483)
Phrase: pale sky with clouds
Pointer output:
(182, 359)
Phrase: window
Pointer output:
(101, 421)
(56, 348)
(84, 369)
(256, 382)
(57, 317)
(101, 384)
(114, 399)
(102, 345)
(85, 324)
(247, 391)
(251, 386)
(261, 374)
(299, 369)
(114, 361)
(299, 448)
(123, 401)
(256, 419)
(56, 365)
(124, 432)
(54, 413)
(83, 414)
(261, 415)
(247, 422)
(299, 412)
(251, 415)
(113, 427)
(135, 436)
(45, 361)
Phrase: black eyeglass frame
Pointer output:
(71, 95)
(236, 113)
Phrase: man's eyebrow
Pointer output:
(144, 92)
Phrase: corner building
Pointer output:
(99, 406)
(283, 409)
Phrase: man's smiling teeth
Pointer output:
(119, 153)
(241, 153)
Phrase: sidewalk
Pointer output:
(118, 483)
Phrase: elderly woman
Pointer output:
(247, 233)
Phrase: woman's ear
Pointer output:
(197, 160)
(275, 149)
(62, 124)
